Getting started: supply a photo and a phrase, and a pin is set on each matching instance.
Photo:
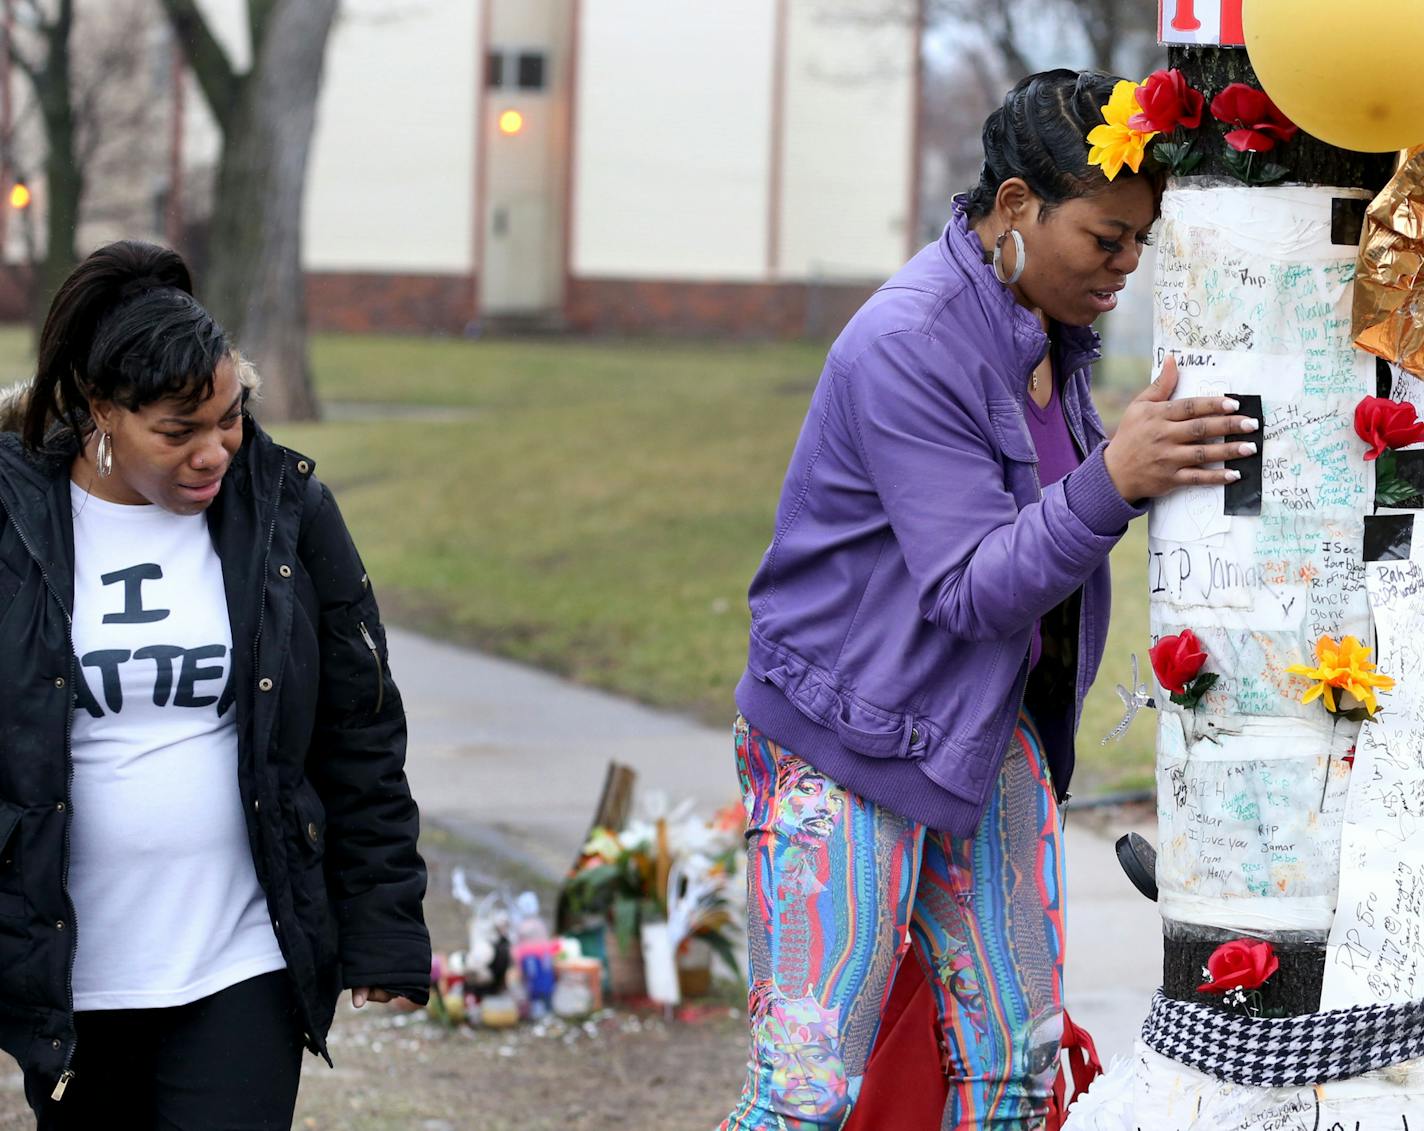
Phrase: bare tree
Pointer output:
(266, 115)
(40, 49)
(88, 105)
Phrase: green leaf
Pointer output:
(1235, 163)
(1195, 690)
(1390, 489)
(1180, 157)
(722, 947)
(1244, 168)
(1169, 152)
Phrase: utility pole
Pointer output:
(1258, 788)
(1243, 312)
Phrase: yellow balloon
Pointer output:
(1346, 71)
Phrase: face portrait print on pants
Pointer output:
(174, 673)
(799, 1039)
(808, 806)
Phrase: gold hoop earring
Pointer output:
(104, 456)
(1020, 257)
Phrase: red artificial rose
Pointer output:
(1177, 660)
(1260, 124)
(1241, 964)
(1383, 423)
(1167, 102)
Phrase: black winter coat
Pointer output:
(321, 745)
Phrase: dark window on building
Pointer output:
(531, 70)
(494, 69)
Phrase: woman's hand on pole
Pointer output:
(1163, 444)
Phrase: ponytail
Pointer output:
(124, 327)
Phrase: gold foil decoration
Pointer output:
(1389, 286)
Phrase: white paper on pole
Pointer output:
(1376, 951)
(1253, 298)
(1249, 821)
(1255, 270)
(1168, 1096)
(1406, 386)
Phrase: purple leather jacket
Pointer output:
(915, 551)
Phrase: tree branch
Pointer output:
(36, 12)
(258, 13)
(17, 57)
(220, 83)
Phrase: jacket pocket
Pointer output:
(12, 900)
(878, 735)
(370, 643)
(311, 897)
(1016, 451)
(310, 817)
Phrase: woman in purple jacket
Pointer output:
(927, 620)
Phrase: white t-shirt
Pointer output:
(166, 897)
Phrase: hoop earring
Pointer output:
(1020, 258)
(104, 456)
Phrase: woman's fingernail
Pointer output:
(1229, 405)
(1250, 425)
(1232, 475)
(1248, 449)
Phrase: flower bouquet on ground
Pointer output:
(626, 878)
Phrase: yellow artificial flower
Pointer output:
(1345, 665)
(1115, 143)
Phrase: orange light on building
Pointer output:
(20, 195)
(511, 122)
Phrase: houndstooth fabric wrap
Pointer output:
(1285, 1052)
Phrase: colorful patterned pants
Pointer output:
(839, 890)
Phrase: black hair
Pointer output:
(123, 327)
(1040, 134)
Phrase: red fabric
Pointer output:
(1082, 1065)
(905, 1086)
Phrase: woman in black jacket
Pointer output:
(205, 827)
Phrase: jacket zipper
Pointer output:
(380, 673)
(1079, 691)
(266, 561)
(67, 1073)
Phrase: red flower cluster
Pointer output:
(1241, 964)
(1177, 660)
(1260, 124)
(1167, 102)
(1383, 423)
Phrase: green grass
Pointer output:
(597, 509)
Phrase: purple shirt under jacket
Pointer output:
(914, 550)
(1057, 456)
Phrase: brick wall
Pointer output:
(363, 303)
(356, 303)
(703, 310)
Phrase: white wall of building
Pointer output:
(848, 140)
(393, 159)
(672, 141)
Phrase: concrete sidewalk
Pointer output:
(513, 759)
